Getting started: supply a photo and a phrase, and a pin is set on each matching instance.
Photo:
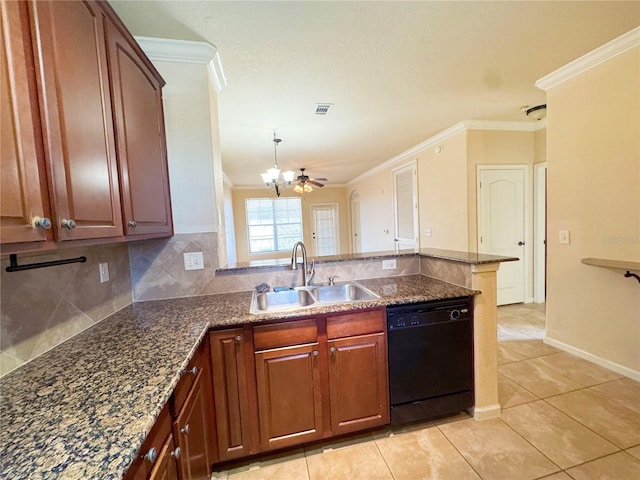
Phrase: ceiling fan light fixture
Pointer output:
(306, 188)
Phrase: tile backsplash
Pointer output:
(42, 308)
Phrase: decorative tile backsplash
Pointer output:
(42, 308)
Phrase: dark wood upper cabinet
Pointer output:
(76, 119)
(23, 193)
(82, 128)
(140, 136)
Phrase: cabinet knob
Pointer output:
(151, 455)
(69, 224)
(133, 224)
(176, 453)
(41, 222)
(315, 353)
(194, 371)
(185, 429)
(333, 349)
(238, 339)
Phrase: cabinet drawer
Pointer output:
(295, 332)
(183, 387)
(358, 323)
(156, 439)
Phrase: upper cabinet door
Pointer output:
(76, 119)
(140, 136)
(22, 199)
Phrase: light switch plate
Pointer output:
(104, 272)
(193, 261)
(389, 264)
(565, 237)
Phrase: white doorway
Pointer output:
(540, 233)
(405, 199)
(356, 244)
(503, 220)
(324, 217)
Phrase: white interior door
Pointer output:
(356, 245)
(325, 229)
(501, 225)
(405, 194)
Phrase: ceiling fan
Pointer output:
(304, 183)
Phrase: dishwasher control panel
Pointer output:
(419, 314)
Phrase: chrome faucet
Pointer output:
(307, 274)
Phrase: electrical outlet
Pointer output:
(104, 272)
(565, 237)
(426, 232)
(193, 261)
(389, 264)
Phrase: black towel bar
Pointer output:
(14, 267)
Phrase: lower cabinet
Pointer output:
(230, 391)
(166, 466)
(181, 444)
(291, 382)
(289, 385)
(270, 386)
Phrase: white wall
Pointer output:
(593, 180)
(189, 146)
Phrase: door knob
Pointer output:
(520, 244)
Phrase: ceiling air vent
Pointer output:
(323, 108)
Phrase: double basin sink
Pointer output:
(311, 296)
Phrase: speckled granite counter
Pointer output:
(82, 410)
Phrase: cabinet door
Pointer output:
(230, 393)
(289, 396)
(358, 382)
(21, 195)
(140, 137)
(190, 429)
(76, 119)
(166, 467)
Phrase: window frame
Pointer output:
(277, 239)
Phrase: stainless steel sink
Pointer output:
(281, 301)
(303, 297)
(344, 292)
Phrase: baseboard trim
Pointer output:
(609, 365)
(483, 413)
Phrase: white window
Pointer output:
(273, 224)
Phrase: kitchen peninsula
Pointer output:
(83, 409)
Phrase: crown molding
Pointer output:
(226, 180)
(448, 133)
(186, 51)
(601, 54)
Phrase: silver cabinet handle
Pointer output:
(41, 222)
(68, 223)
(151, 455)
(238, 339)
(315, 353)
(333, 349)
(176, 453)
(185, 429)
(133, 223)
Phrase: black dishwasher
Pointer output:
(430, 348)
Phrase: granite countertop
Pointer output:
(83, 409)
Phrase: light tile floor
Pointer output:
(563, 418)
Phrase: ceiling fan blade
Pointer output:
(313, 182)
(320, 179)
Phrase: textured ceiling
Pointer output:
(396, 72)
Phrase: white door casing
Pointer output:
(325, 232)
(405, 200)
(540, 233)
(356, 245)
(503, 221)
